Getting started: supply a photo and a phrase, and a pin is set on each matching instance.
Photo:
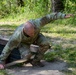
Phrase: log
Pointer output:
(3, 41)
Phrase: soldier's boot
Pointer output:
(37, 63)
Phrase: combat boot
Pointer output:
(37, 63)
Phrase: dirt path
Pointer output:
(50, 68)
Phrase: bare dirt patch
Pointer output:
(50, 68)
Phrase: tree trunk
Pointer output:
(20, 3)
(57, 5)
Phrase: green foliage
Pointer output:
(8, 7)
(11, 10)
(3, 72)
(68, 54)
(70, 5)
(50, 56)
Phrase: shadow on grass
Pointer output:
(7, 29)
(58, 31)
(8, 26)
(70, 32)
(67, 53)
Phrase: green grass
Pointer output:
(3, 72)
(63, 40)
(22, 17)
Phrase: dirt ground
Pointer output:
(50, 68)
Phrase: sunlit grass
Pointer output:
(3, 72)
(63, 41)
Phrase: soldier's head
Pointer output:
(29, 29)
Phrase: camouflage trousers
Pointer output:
(41, 41)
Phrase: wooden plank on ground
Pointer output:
(3, 40)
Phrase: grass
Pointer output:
(63, 41)
(7, 29)
(3, 72)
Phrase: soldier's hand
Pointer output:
(69, 15)
(1, 66)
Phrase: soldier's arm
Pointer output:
(51, 17)
(13, 42)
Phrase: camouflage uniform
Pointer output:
(18, 39)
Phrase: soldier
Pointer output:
(27, 34)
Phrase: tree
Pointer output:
(20, 3)
(57, 5)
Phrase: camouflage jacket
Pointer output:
(18, 37)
